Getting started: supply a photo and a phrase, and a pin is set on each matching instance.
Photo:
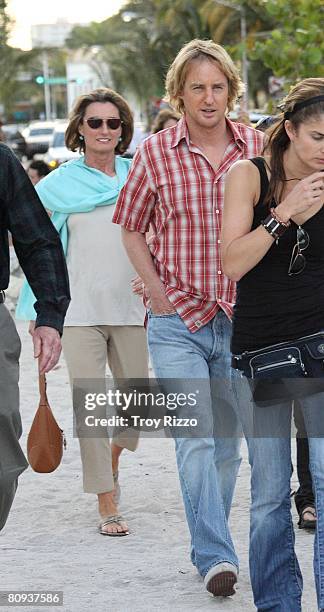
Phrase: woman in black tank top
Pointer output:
(273, 246)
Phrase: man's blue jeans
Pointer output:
(207, 466)
(275, 574)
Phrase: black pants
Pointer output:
(304, 496)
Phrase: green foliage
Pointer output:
(133, 49)
(136, 44)
(295, 47)
(7, 56)
(5, 25)
(13, 61)
(140, 42)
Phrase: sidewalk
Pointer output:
(51, 543)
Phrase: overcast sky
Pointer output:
(28, 12)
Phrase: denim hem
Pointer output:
(218, 563)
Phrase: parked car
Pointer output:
(14, 139)
(38, 136)
(254, 116)
(266, 122)
(57, 152)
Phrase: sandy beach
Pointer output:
(51, 540)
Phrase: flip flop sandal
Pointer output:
(307, 524)
(115, 518)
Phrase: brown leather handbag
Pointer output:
(46, 439)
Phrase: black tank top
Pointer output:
(271, 306)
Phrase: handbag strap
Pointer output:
(42, 389)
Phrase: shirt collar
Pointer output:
(237, 131)
(181, 132)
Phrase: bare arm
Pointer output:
(137, 283)
(242, 249)
(140, 256)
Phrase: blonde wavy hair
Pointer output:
(199, 50)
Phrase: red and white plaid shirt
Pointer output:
(173, 188)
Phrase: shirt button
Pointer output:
(219, 271)
(217, 211)
(218, 241)
(198, 324)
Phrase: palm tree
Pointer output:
(140, 42)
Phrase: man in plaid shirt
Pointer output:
(176, 187)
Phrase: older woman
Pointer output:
(272, 246)
(105, 320)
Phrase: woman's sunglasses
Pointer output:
(298, 260)
(113, 123)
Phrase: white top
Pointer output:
(100, 272)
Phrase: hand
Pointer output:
(47, 347)
(31, 327)
(161, 306)
(306, 193)
(138, 286)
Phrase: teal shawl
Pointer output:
(73, 187)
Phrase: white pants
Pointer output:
(87, 351)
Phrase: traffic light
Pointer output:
(40, 79)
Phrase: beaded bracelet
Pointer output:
(275, 216)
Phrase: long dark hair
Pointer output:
(278, 140)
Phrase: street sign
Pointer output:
(41, 80)
(56, 81)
